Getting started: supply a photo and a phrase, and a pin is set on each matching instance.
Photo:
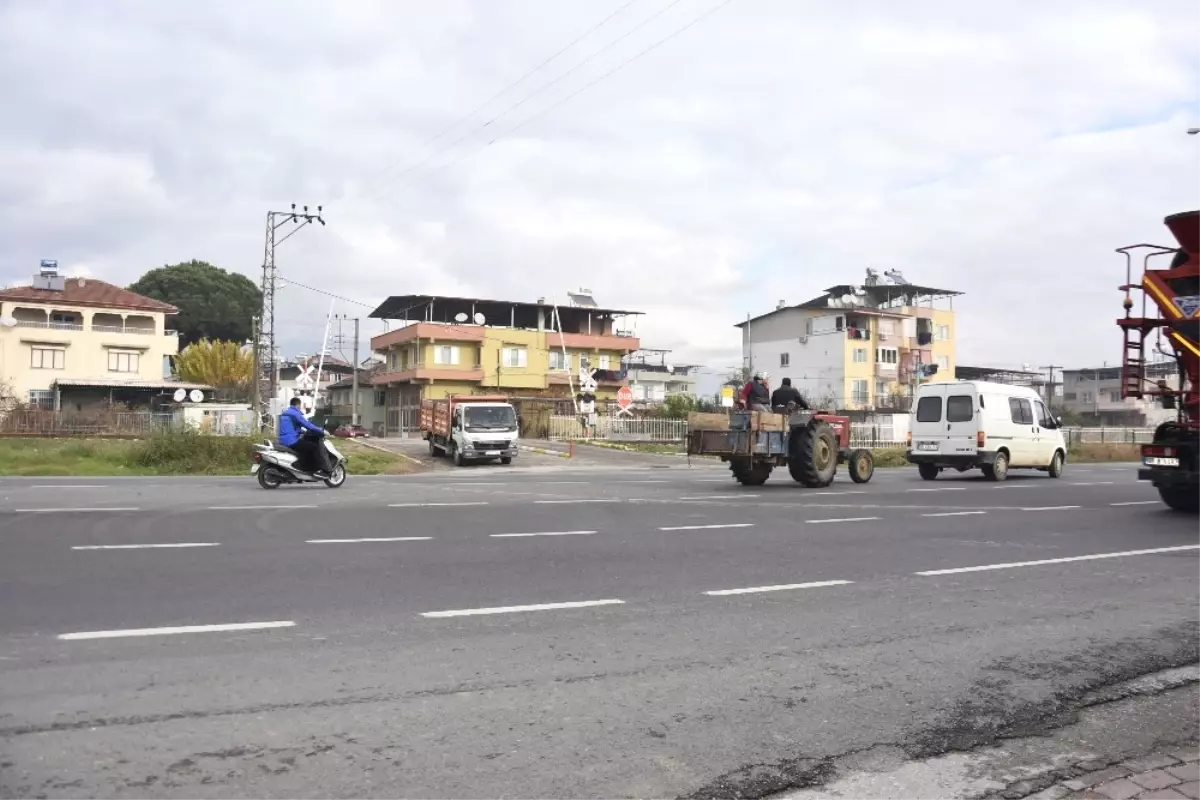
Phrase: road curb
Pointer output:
(543, 451)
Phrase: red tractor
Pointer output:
(810, 444)
(1170, 461)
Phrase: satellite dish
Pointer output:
(8, 322)
(834, 302)
(848, 299)
(180, 395)
(480, 319)
(670, 369)
(196, 396)
(460, 316)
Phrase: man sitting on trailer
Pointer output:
(756, 396)
(786, 393)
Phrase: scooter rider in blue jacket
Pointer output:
(296, 432)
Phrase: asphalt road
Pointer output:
(561, 630)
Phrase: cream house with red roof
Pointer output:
(76, 343)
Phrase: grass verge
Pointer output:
(170, 453)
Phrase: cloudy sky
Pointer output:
(769, 150)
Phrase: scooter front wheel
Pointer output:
(268, 478)
(337, 477)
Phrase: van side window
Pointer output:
(960, 408)
(1020, 410)
(929, 409)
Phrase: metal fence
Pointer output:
(1108, 435)
(34, 422)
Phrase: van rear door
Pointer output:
(962, 421)
(928, 427)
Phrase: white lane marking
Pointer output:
(425, 505)
(475, 483)
(66, 486)
(580, 500)
(467, 612)
(956, 514)
(843, 519)
(375, 539)
(144, 546)
(1091, 483)
(714, 480)
(707, 527)
(1061, 560)
(73, 510)
(235, 626)
(719, 497)
(639, 482)
(1018, 486)
(1049, 508)
(780, 588)
(827, 494)
(547, 533)
(562, 483)
(255, 508)
(1137, 503)
(942, 489)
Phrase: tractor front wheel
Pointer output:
(862, 465)
(813, 455)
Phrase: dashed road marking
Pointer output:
(1065, 560)
(467, 612)
(1137, 503)
(842, 519)
(579, 500)
(707, 527)
(546, 533)
(1091, 483)
(66, 486)
(74, 510)
(258, 508)
(1048, 508)
(828, 494)
(942, 489)
(144, 546)
(430, 505)
(780, 588)
(236, 626)
(956, 514)
(371, 539)
(719, 497)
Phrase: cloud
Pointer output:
(773, 149)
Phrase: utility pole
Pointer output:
(267, 377)
(354, 413)
(1050, 386)
(256, 387)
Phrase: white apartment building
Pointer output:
(1095, 394)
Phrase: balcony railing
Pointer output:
(52, 326)
(124, 329)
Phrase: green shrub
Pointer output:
(189, 451)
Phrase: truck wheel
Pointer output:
(998, 469)
(928, 471)
(506, 460)
(862, 465)
(748, 473)
(813, 454)
(456, 454)
(433, 449)
(1180, 498)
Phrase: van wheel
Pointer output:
(928, 471)
(997, 470)
(1056, 464)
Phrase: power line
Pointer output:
(291, 282)
(576, 93)
(500, 93)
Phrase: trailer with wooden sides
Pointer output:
(811, 444)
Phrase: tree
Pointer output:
(226, 366)
(213, 303)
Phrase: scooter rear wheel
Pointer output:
(268, 478)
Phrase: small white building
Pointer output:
(1095, 394)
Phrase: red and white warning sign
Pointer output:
(625, 398)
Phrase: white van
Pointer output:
(965, 425)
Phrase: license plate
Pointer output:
(1157, 461)
(927, 446)
(254, 469)
(493, 452)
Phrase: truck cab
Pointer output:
(992, 427)
(471, 428)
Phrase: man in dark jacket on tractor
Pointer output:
(786, 393)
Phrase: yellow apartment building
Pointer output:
(859, 348)
(454, 345)
(76, 344)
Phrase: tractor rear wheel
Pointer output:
(813, 455)
(862, 465)
(749, 473)
(1180, 498)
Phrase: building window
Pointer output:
(123, 362)
(604, 362)
(943, 333)
(47, 358)
(943, 363)
(380, 398)
(445, 354)
(1070, 396)
(516, 357)
(887, 355)
(860, 355)
(881, 389)
(558, 360)
(808, 326)
(861, 392)
(785, 359)
(838, 323)
(42, 398)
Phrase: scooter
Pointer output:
(275, 465)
